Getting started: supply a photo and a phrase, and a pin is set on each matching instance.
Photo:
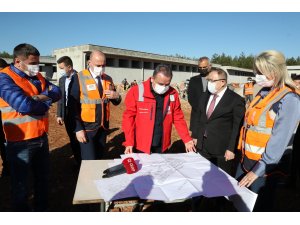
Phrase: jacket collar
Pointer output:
(17, 71)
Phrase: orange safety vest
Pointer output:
(248, 88)
(19, 127)
(90, 97)
(258, 124)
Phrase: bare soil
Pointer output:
(64, 172)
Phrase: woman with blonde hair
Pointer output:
(269, 124)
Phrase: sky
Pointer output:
(192, 34)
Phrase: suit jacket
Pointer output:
(223, 126)
(61, 104)
(195, 90)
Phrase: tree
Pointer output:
(5, 54)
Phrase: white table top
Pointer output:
(86, 191)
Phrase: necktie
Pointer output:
(100, 88)
(211, 106)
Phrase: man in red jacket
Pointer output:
(151, 109)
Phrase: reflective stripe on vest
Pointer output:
(89, 99)
(256, 133)
(19, 127)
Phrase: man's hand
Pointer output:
(229, 155)
(40, 98)
(111, 94)
(128, 150)
(60, 121)
(81, 136)
(248, 179)
(190, 147)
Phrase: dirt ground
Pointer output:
(63, 171)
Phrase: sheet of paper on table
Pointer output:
(170, 177)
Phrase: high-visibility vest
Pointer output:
(18, 127)
(90, 97)
(258, 124)
(248, 88)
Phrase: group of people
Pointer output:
(221, 128)
(126, 85)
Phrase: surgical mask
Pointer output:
(161, 89)
(98, 70)
(211, 86)
(32, 70)
(262, 81)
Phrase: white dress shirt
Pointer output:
(67, 84)
(220, 95)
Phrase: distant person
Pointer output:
(249, 90)
(125, 84)
(219, 119)
(90, 97)
(197, 86)
(151, 109)
(269, 124)
(5, 169)
(133, 83)
(63, 115)
(25, 98)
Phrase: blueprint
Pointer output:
(171, 177)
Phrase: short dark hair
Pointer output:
(25, 50)
(164, 69)
(221, 73)
(203, 58)
(3, 63)
(66, 60)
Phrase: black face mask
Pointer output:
(203, 71)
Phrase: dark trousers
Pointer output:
(248, 98)
(95, 146)
(218, 160)
(70, 127)
(25, 156)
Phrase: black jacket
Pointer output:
(61, 104)
(223, 126)
(195, 90)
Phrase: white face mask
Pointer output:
(212, 87)
(98, 70)
(161, 89)
(32, 70)
(262, 81)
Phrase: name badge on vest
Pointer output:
(172, 98)
(91, 87)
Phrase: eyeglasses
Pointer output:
(213, 81)
(205, 67)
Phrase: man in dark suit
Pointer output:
(197, 86)
(219, 118)
(65, 64)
